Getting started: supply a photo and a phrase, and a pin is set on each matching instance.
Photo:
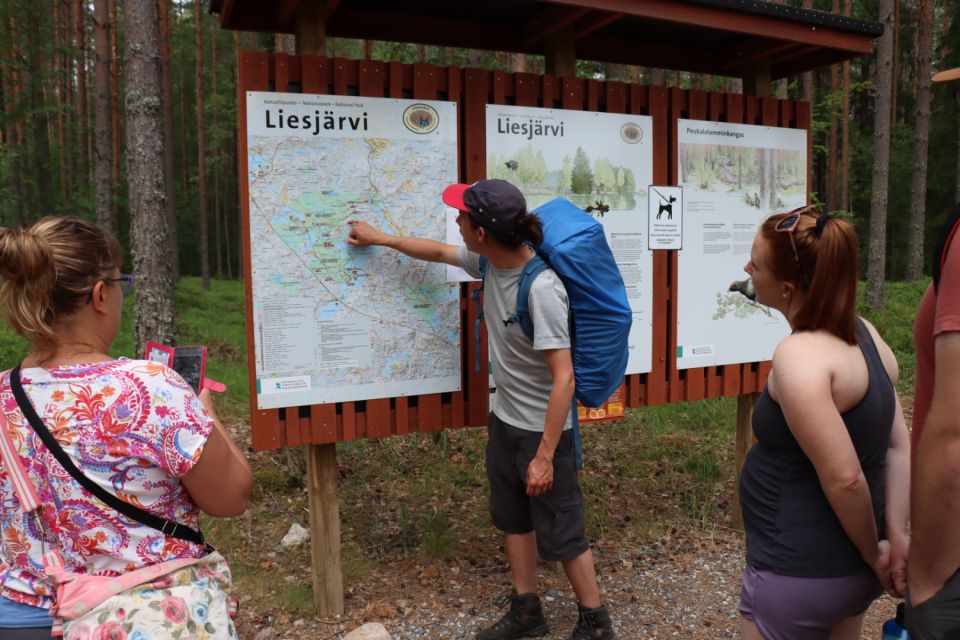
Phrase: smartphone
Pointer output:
(190, 363)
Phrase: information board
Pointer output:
(733, 177)
(332, 322)
(601, 162)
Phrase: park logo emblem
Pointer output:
(421, 118)
(631, 133)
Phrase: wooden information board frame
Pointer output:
(472, 90)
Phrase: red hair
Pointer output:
(824, 268)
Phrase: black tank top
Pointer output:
(791, 528)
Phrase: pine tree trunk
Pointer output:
(115, 133)
(103, 162)
(217, 151)
(921, 130)
(895, 62)
(845, 131)
(876, 259)
(83, 119)
(11, 96)
(149, 226)
(169, 163)
(38, 135)
(201, 148)
(60, 79)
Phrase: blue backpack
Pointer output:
(575, 247)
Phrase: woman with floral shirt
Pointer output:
(134, 427)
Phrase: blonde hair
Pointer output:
(48, 271)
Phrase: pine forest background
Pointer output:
(65, 108)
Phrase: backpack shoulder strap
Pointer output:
(475, 296)
(947, 232)
(531, 270)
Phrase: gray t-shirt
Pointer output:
(522, 378)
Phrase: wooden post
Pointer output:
(309, 25)
(744, 441)
(324, 528)
(560, 55)
(757, 80)
(310, 28)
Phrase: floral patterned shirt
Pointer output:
(134, 427)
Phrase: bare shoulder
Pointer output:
(801, 364)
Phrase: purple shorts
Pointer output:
(787, 608)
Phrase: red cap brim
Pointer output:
(453, 196)
(948, 75)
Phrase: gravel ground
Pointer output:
(682, 587)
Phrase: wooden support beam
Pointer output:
(593, 23)
(757, 80)
(560, 55)
(749, 52)
(744, 440)
(549, 21)
(310, 27)
(288, 9)
(324, 528)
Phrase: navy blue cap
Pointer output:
(494, 204)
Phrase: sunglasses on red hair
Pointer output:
(788, 223)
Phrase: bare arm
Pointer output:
(897, 487)
(221, 481)
(935, 498)
(363, 235)
(540, 470)
(896, 476)
(805, 395)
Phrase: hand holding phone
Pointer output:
(190, 362)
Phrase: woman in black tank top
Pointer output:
(825, 488)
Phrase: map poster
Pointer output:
(333, 322)
(601, 162)
(733, 176)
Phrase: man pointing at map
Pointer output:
(535, 496)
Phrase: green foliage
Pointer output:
(895, 323)
(581, 178)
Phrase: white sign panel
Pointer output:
(333, 322)
(733, 177)
(602, 162)
(665, 217)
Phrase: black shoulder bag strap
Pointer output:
(166, 527)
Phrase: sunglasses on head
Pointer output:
(788, 223)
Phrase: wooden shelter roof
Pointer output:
(704, 36)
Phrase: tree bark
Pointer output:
(921, 129)
(845, 130)
(202, 214)
(217, 149)
(149, 227)
(895, 62)
(11, 96)
(83, 119)
(169, 162)
(876, 259)
(103, 162)
(115, 133)
(38, 137)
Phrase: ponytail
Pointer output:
(824, 268)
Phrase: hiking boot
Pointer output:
(523, 620)
(593, 624)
